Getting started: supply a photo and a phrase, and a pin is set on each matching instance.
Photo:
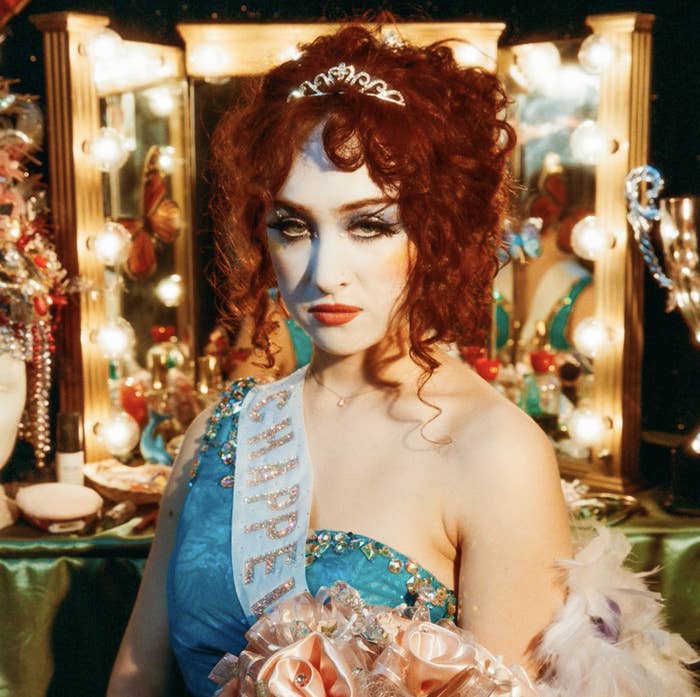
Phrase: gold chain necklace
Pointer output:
(342, 399)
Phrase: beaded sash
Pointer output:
(271, 496)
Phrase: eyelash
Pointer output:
(379, 228)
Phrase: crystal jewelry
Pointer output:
(342, 399)
(33, 282)
(342, 74)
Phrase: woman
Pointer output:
(366, 181)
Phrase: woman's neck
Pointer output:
(348, 374)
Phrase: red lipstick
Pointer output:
(334, 314)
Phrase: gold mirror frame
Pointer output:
(76, 202)
(623, 116)
(248, 49)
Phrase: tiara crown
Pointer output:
(342, 74)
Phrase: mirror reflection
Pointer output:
(543, 295)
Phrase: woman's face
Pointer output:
(339, 252)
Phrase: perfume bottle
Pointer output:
(543, 392)
(69, 459)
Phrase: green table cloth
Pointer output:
(66, 599)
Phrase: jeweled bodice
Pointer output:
(207, 618)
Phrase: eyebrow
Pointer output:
(345, 208)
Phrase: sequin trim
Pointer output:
(229, 405)
(282, 398)
(275, 594)
(269, 435)
(420, 586)
(291, 495)
(270, 525)
(288, 550)
(264, 473)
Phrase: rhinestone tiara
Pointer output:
(342, 74)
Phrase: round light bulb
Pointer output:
(467, 54)
(586, 427)
(693, 446)
(107, 150)
(112, 244)
(539, 63)
(289, 53)
(170, 290)
(589, 239)
(590, 336)
(166, 159)
(206, 60)
(588, 143)
(596, 54)
(115, 339)
(161, 101)
(119, 434)
(104, 46)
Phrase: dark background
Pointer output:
(671, 370)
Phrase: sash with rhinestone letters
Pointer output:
(271, 496)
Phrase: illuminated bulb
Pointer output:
(539, 64)
(14, 230)
(161, 101)
(116, 338)
(596, 54)
(572, 83)
(693, 446)
(166, 159)
(467, 54)
(589, 239)
(586, 427)
(290, 53)
(667, 228)
(107, 150)
(588, 143)
(206, 59)
(112, 244)
(119, 434)
(104, 46)
(170, 291)
(590, 336)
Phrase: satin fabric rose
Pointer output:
(434, 656)
(312, 667)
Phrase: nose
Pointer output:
(328, 262)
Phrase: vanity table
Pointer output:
(66, 599)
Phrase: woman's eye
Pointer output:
(291, 228)
(371, 228)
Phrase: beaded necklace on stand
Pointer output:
(32, 281)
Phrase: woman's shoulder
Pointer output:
(495, 447)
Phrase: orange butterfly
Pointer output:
(160, 222)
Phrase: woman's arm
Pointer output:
(140, 669)
(512, 526)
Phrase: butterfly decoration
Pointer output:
(523, 244)
(160, 220)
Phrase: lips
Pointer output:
(334, 314)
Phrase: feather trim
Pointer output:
(608, 638)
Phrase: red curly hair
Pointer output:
(442, 157)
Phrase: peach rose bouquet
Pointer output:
(335, 645)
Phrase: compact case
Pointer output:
(59, 508)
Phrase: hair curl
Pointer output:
(442, 157)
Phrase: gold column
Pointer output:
(72, 111)
(623, 115)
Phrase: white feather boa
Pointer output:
(608, 639)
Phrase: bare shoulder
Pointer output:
(499, 455)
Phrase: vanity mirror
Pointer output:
(119, 162)
(568, 309)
